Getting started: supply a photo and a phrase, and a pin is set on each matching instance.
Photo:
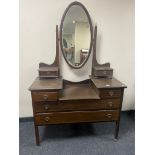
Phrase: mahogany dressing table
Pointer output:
(58, 101)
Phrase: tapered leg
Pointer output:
(116, 130)
(37, 135)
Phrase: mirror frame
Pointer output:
(91, 33)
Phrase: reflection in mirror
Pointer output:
(76, 36)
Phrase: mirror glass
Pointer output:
(76, 36)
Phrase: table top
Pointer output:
(107, 82)
(80, 89)
(46, 84)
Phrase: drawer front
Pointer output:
(111, 103)
(77, 105)
(48, 73)
(44, 96)
(76, 116)
(103, 72)
(46, 106)
(110, 93)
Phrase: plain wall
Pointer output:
(115, 43)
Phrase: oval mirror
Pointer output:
(76, 35)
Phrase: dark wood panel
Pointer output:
(44, 96)
(110, 93)
(107, 83)
(111, 103)
(46, 84)
(76, 116)
(77, 105)
(48, 73)
(77, 91)
(103, 73)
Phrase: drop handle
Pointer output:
(46, 107)
(48, 73)
(45, 97)
(109, 115)
(110, 104)
(104, 72)
(111, 93)
(47, 119)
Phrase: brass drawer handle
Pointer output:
(110, 104)
(111, 93)
(109, 115)
(46, 107)
(104, 72)
(47, 119)
(48, 73)
(45, 97)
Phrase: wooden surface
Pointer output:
(74, 105)
(57, 101)
(48, 69)
(107, 83)
(44, 96)
(110, 93)
(77, 92)
(46, 84)
(76, 116)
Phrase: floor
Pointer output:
(79, 139)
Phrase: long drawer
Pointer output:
(77, 105)
(76, 116)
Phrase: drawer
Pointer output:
(76, 116)
(48, 73)
(44, 96)
(77, 105)
(110, 93)
(46, 106)
(103, 73)
(111, 103)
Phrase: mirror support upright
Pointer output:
(99, 70)
(52, 70)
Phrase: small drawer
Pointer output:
(103, 73)
(111, 103)
(46, 106)
(44, 96)
(48, 73)
(76, 116)
(110, 93)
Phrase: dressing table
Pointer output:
(58, 101)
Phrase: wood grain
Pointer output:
(76, 117)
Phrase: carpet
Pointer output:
(79, 139)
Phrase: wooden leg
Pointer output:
(116, 130)
(37, 135)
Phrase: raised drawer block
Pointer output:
(44, 96)
(48, 73)
(110, 93)
(76, 116)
